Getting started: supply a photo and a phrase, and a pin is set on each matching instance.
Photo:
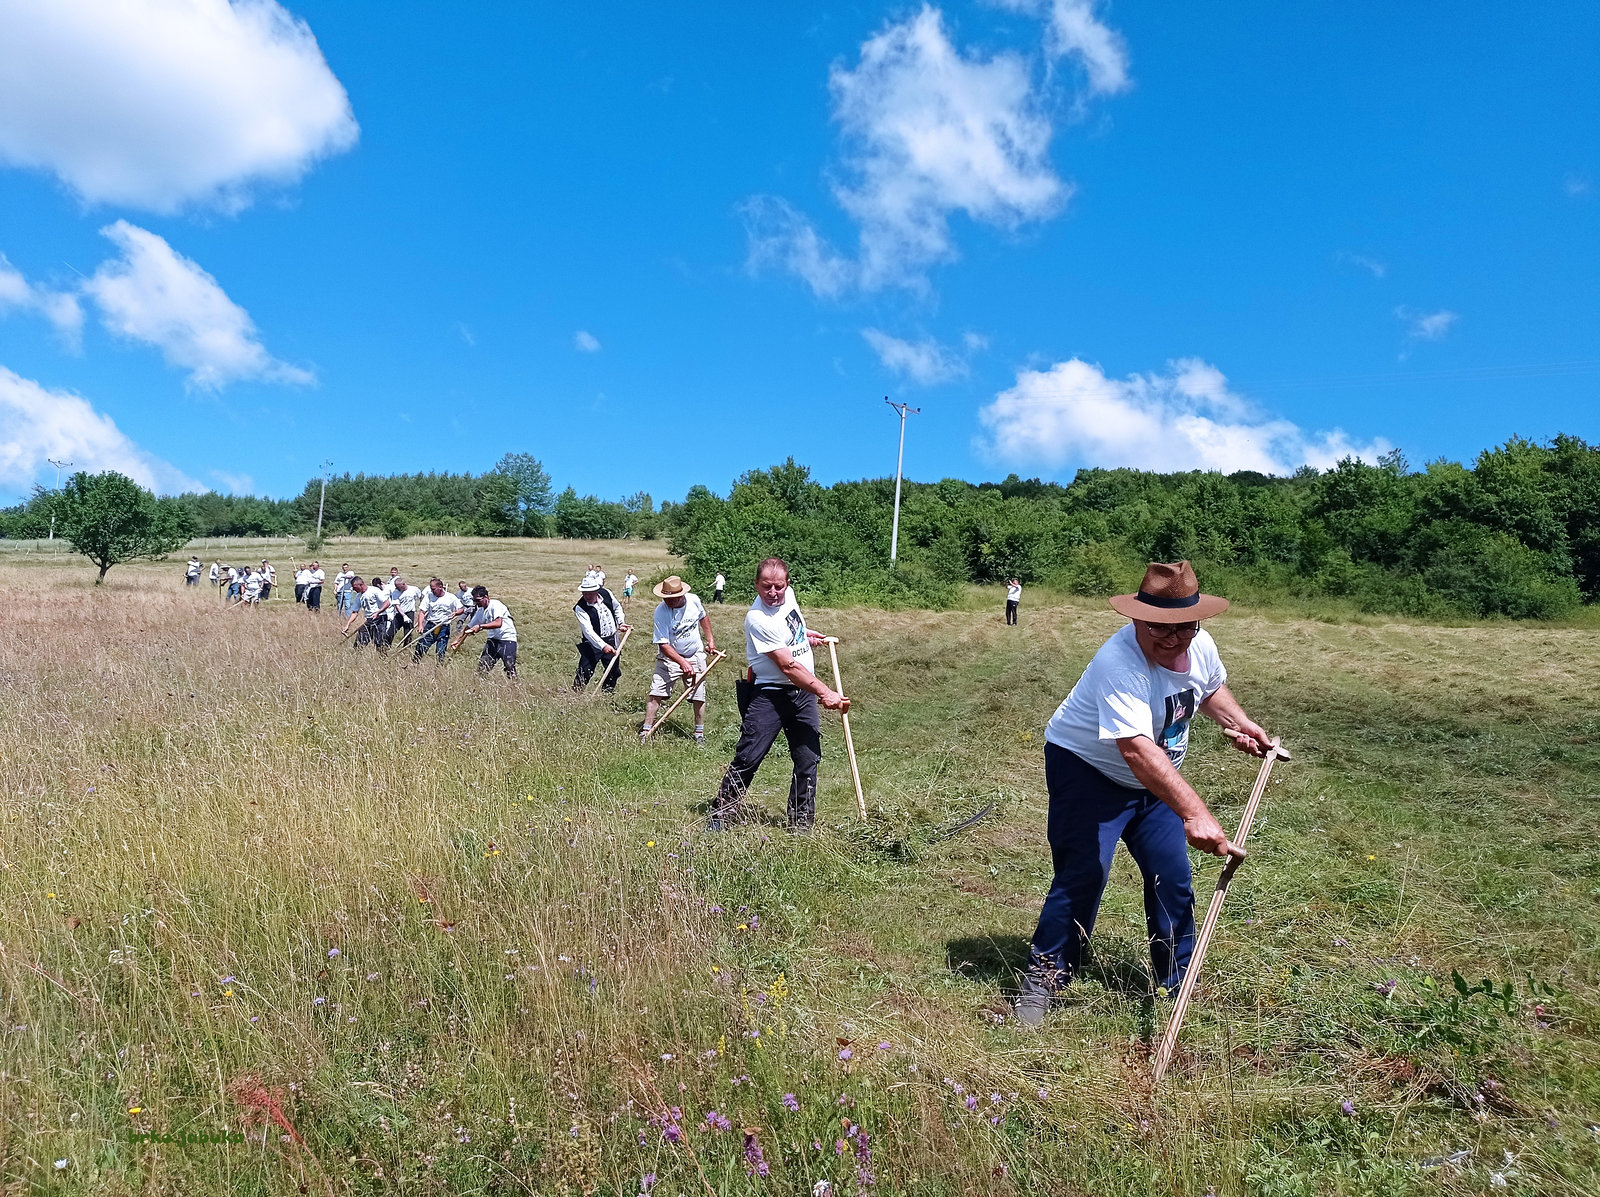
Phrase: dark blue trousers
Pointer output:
(1089, 813)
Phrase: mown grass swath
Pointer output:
(410, 930)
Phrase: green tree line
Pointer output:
(1515, 534)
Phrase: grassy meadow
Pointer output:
(395, 929)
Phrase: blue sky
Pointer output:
(656, 247)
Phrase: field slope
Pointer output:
(397, 929)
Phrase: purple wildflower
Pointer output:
(790, 1104)
(972, 1101)
(332, 952)
(754, 1163)
(318, 1001)
(718, 1122)
(1347, 1107)
(884, 1046)
(646, 1182)
(844, 1053)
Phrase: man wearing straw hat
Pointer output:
(1111, 759)
(600, 621)
(683, 638)
(783, 696)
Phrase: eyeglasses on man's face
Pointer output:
(1172, 631)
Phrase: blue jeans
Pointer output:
(1089, 813)
(436, 637)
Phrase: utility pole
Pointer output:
(894, 536)
(60, 465)
(323, 498)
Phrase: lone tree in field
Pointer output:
(533, 497)
(111, 518)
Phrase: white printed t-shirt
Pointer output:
(194, 568)
(1121, 694)
(680, 626)
(318, 577)
(372, 599)
(439, 610)
(1014, 593)
(407, 599)
(341, 580)
(720, 583)
(769, 628)
(495, 610)
(302, 577)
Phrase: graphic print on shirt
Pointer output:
(797, 628)
(1175, 731)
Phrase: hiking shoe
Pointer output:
(700, 739)
(1033, 1002)
(644, 734)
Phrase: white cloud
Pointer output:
(929, 132)
(156, 295)
(1075, 32)
(1426, 326)
(1576, 186)
(37, 423)
(1376, 267)
(925, 361)
(237, 484)
(61, 308)
(160, 103)
(975, 342)
(585, 342)
(1182, 419)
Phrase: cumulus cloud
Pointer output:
(926, 361)
(585, 342)
(37, 423)
(929, 132)
(1426, 326)
(1185, 418)
(155, 295)
(60, 308)
(156, 104)
(1074, 31)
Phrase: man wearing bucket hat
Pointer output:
(683, 638)
(600, 620)
(1112, 756)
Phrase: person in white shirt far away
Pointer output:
(344, 594)
(683, 638)
(269, 575)
(783, 696)
(718, 585)
(1013, 597)
(405, 598)
(216, 574)
(500, 644)
(302, 579)
(191, 576)
(314, 587)
(372, 609)
(628, 580)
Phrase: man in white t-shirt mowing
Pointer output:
(683, 638)
(191, 575)
(783, 694)
(316, 577)
(372, 609)
(1013, 598)
(404, 601)
(1112, 755)
(490, 617)
(600, 625)
(344, 594)
(269, 578)
(302, 579)
(439, 607)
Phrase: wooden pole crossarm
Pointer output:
(1180, 1007)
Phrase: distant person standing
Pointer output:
(191, 575)
(784, 693)
(439, 607)
(235, 581)
(628, 580)
(314, 588)
(269, 575)
(492, 618)
(343, 593)
(1013, 597)
(254, 583)
(718, 585)
(600, 621)
(216, 574)
(464, 593)
(302, 579)
(683, 638)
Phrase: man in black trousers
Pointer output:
(783, 694)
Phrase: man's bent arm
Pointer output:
(804, 678)
(1155, 772)
(1247, 735)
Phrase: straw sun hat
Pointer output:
(1169, 594)
(670, 587)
